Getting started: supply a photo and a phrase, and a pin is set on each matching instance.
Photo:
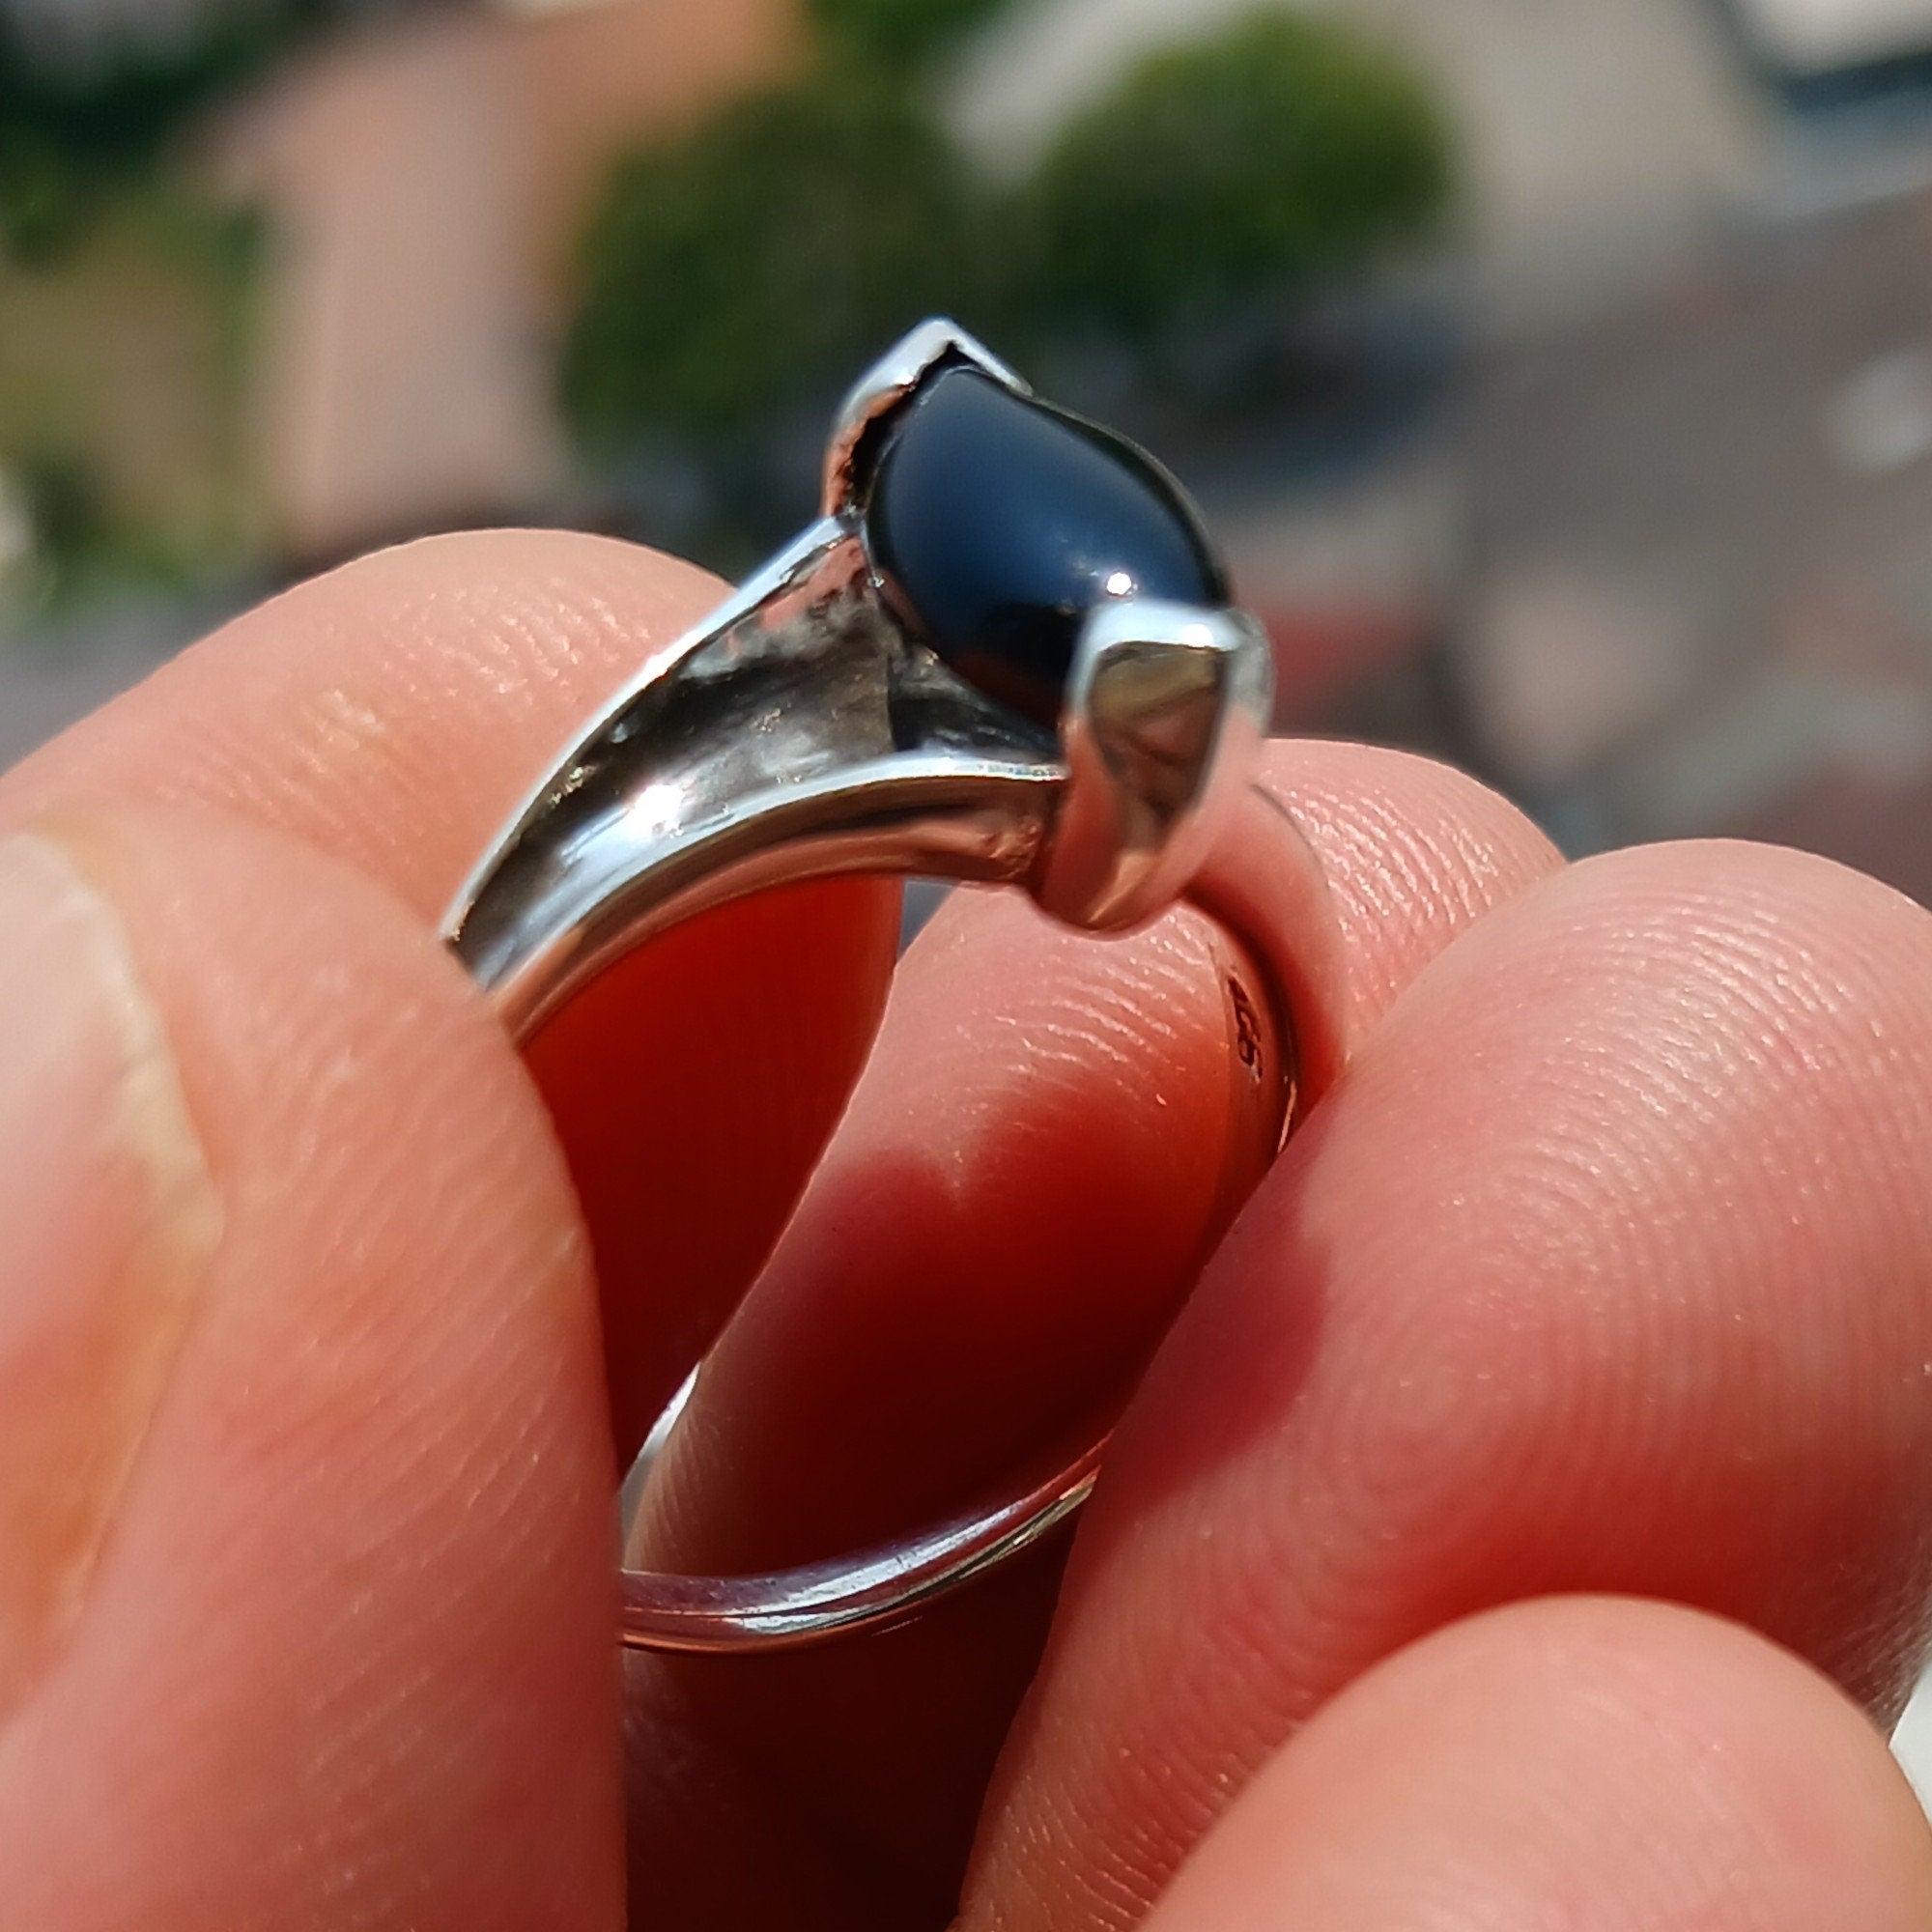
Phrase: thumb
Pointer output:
(304, 1462)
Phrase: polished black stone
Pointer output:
(997, 522)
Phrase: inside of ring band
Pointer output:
(846, 1592)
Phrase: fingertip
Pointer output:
(1414, 850)
(1021, 1187)
(1603, 1268)
(391, 712)
(1594, 1763)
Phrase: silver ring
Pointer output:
(1003, 655)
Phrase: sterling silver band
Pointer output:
(806, 730)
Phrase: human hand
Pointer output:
(1602, 1278)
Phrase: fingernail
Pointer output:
(107, 1221)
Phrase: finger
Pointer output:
(1027, 1178)
(996, 1233)
(392, 714)
(1050, 1132)
(1414, 852)
(304, 1470)
(1601, 1764)
(1608, 1266)
(693, 1088)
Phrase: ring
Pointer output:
(1005, 654)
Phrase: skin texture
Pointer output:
(1586, 1763)
(1603, 1274)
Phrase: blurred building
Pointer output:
(1622, 495)
(423, 186)
(1704, 597)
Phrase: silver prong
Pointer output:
(888, 382)
(1163, 711)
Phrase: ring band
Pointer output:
(1003, 655)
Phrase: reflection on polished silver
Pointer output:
(867, 703)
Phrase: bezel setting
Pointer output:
(1164, 701)
(809, 690)
(921, 352)
(1164, 716)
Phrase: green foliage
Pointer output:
(76, 129)
(69, 539)
(62, 500)
(1258, 163)
(899, 32)
(739, 278)
(44, 199)
(117, 106)
(763, 261)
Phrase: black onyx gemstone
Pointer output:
(997, 523)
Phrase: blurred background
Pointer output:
(1558, 371)
(1560, 375)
